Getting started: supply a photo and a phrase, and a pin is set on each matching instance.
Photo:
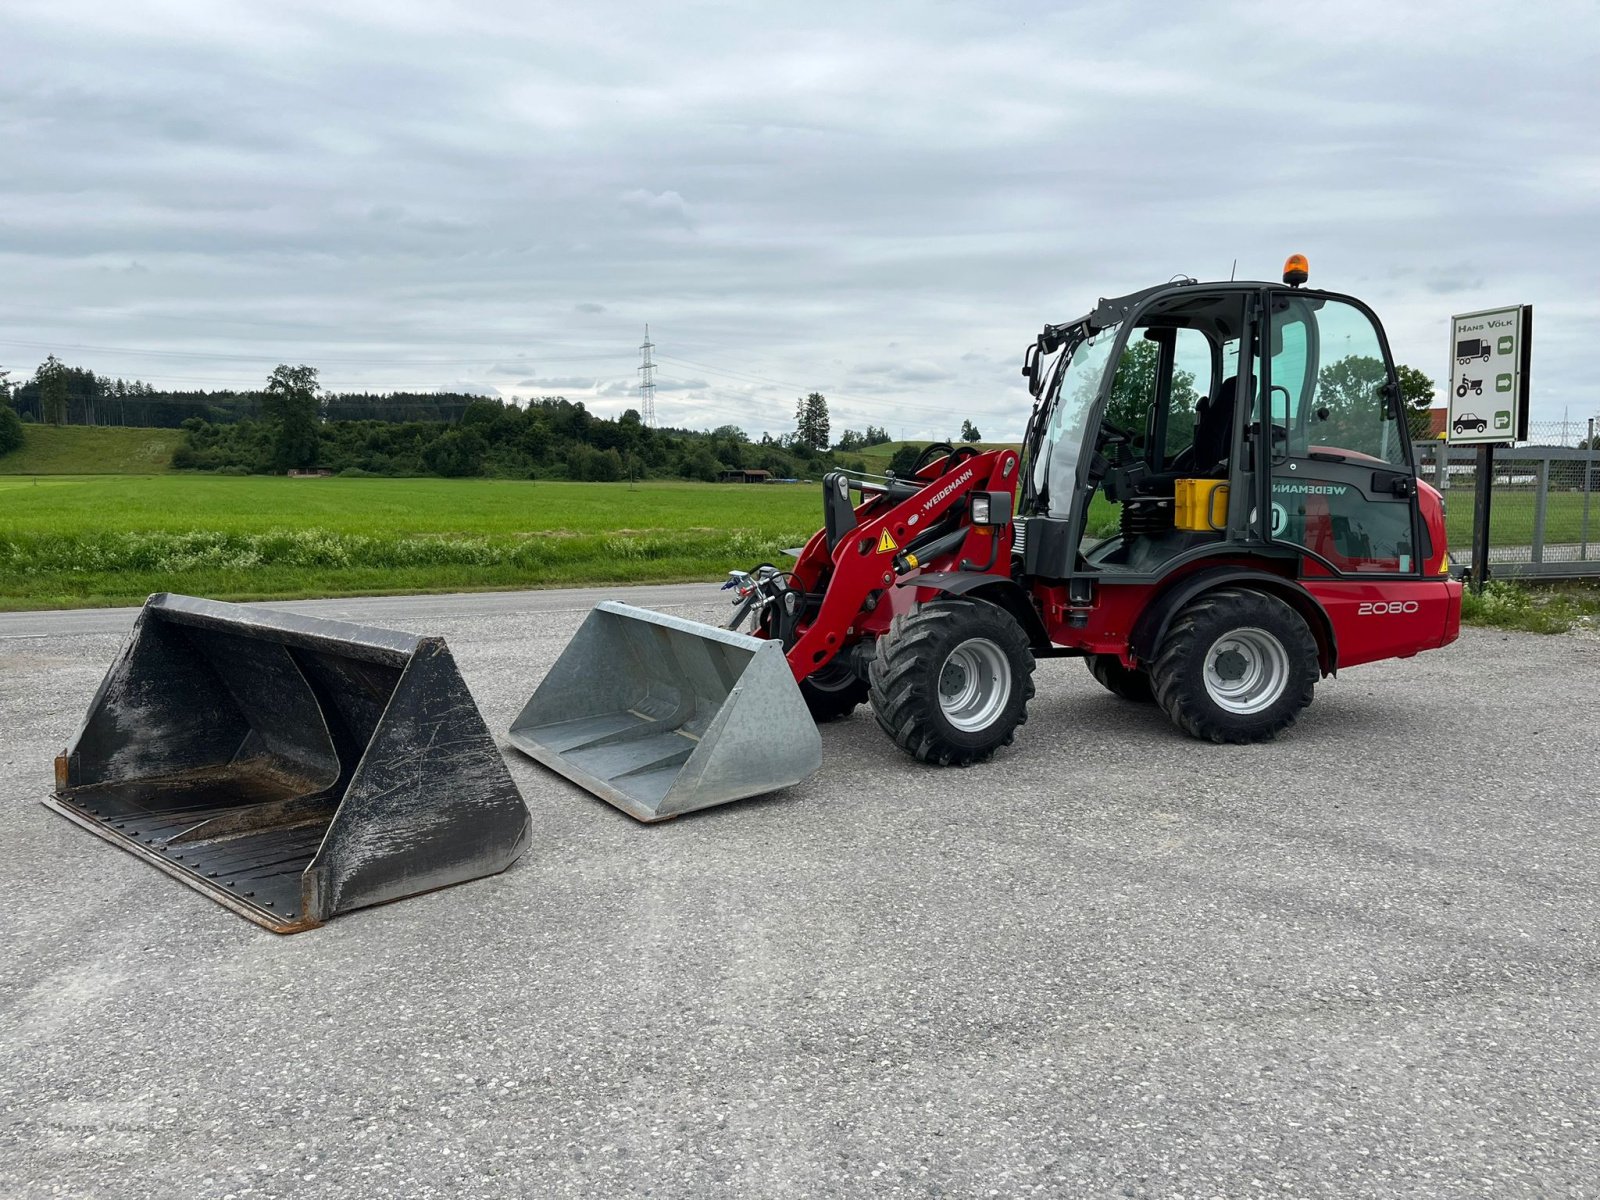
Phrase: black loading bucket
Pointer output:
(289, 767)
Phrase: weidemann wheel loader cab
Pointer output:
(1270, 524)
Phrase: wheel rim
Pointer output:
(974, 684)
(1246, 671)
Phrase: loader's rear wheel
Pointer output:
(1236, 666)
(951, 681)
(1118, 679)
(833, 692)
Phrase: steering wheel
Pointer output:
(1110, 434)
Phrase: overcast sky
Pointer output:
(879, 202)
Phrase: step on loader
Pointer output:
(1247, 440)
(289, 767)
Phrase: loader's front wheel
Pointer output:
(1236, 666)
(951, 681)
(833, 692)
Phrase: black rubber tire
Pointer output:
(1119, 680)
(833, 692)
(1178, 672)
(905, 680)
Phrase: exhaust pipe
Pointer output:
(291, 768)
(660, 716)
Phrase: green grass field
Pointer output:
(86, 541)
(80, 541)
(76, 449)
(1511, 517)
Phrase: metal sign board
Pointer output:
(1488, 391)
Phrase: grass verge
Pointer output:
(1533, 607)
(97, 569)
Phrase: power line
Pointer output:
(747, 402)
(833, 394)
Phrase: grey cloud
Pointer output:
(559, 382)
(781, 198)
(1443, 283)
(665, 207)
(916, 371)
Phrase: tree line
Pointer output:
(293, 424)
(58, 394)
(546, 437)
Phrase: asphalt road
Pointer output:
(1359, 961)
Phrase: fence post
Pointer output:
(1540, 503)
(1588, 489)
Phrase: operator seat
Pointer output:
(1148, 537)
(1207, 451)
(1213, 428)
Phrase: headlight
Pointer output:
(990, 508)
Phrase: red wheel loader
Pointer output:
(1271, 529)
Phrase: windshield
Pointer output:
(1055, 471)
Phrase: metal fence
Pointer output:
(1544, 511)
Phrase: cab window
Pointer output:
(1329, 382)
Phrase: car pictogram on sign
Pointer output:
(1468, 421)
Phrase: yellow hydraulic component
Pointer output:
(1197, 503)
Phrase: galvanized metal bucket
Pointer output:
(289, 767)
(661, 716)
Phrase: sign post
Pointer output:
(1490, 352)
(1480, 517)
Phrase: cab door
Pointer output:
(1342, 486)
(1342, 482)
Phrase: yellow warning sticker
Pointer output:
(886, 544)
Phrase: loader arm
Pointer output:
(895, 539)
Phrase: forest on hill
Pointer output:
(293, 424)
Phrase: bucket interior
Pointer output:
(665, 687)
(222, 754)
(638, 708)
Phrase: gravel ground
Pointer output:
(1114, 962)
